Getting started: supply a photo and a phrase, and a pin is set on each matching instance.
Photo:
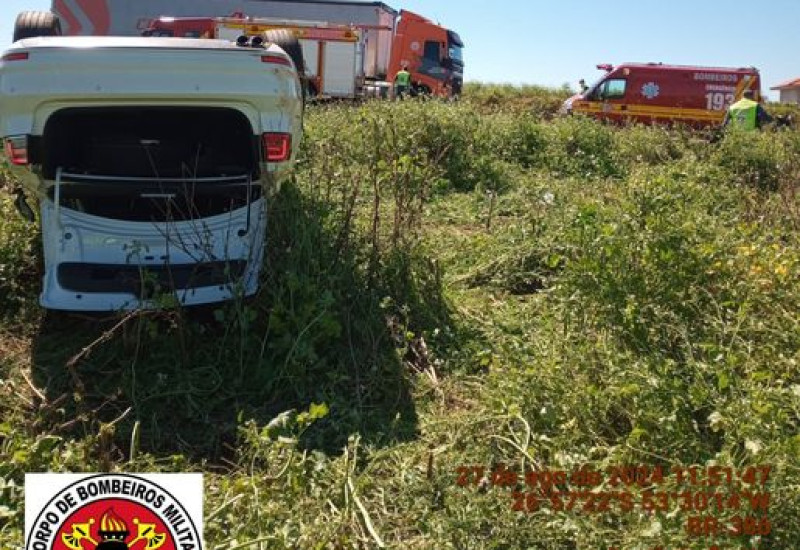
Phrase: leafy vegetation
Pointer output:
(479, 284)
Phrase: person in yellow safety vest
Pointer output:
(402, 82)
(746, 113)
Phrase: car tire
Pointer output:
(30, 24)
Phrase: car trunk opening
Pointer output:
(151, 164)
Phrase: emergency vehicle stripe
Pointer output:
(98, 14)
(740, 88)
(302, 33)
(744, 84)
(649, 111)
(74, 26)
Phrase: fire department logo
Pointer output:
(113, 512)
(112, 531)
(651, 90)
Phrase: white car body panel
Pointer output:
(110, 72)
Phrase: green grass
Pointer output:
(447, 285)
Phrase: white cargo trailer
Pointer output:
(332, 54)
(126, 18)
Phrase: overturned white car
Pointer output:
(152, 160)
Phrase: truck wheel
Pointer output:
(420, 90)
(290, 44)
(313, 89)
(31, 24)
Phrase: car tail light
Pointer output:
(19, 56)
(17, 149)
(277, 146)
(276, 59)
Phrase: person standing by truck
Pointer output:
(402, 82)
(747, 113)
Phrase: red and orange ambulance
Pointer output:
(658, 93)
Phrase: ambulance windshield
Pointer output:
(593, 89)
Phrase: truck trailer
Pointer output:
(388, 38)
(329, 56)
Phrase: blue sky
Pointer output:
(550, 42)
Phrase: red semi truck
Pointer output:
(387, 38)
(654, 92)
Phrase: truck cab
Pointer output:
(432, 53)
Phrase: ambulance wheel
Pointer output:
(31, 24)
(288, 43)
